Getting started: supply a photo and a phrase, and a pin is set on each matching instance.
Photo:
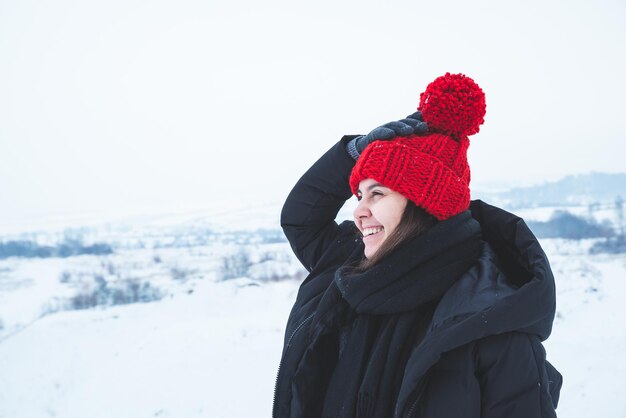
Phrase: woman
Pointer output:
(426, 305)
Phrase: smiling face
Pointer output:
(378, 213)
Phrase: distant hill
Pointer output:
(574, 190)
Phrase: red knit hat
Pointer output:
(431, 170)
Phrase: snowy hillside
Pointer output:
(186, 319)
(573, 190)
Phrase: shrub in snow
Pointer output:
(65, 277)
(122, 292)
(268, 270)
(70, 248)
(274, 264)
(109, 267)
(181, 274)
(612, 245)
(619, 211)
(54, 305)
(84, 300)
(235, 265)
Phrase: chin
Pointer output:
(369, 252)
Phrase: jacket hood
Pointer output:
(521, 293)
(510, 288)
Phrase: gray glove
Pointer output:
(412, 124)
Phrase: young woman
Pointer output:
(427, 305)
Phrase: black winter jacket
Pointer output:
(482, 354)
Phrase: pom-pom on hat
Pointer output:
(431, 170)
(453, 105)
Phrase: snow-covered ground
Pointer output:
(588, 341)
(212, 353)
(210, 347)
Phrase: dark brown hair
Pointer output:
(414, 221)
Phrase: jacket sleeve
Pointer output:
(308, 215)
(514, 377)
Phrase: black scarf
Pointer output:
(367, 324)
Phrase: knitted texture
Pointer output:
(431, 170)
(453, 105)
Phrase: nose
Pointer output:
(362, 210)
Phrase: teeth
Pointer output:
(371, 231)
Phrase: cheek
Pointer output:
(395, 213)
(397, 219)
(388, 215)
(395, 222)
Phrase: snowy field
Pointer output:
(208, 347)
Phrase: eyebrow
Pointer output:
(371, 187)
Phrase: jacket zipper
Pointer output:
(413, 405)
(295, 331)
(418, 395)
(409, 414)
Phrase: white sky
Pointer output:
(124, 106)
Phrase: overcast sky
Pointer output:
(125, 106)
